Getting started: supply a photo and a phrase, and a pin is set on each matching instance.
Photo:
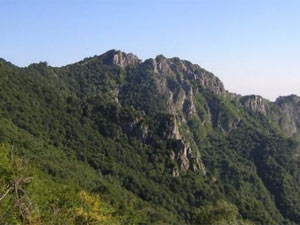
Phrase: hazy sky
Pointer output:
(253, 46)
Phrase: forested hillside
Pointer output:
(116, 140)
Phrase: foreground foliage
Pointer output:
(31, 197)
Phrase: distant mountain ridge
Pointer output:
(161, 64)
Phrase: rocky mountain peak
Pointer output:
(287, 115)
(119, 58)
(186, 71)
(254, 103)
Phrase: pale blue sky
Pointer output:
(252, 45)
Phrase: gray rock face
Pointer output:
(186, 69)
(119, 58)
(284, 112)
(175, 131)
(182, 153)
(122, 59)
(186, 158)
(161, 64)
(254, 103)
(113, 57)
(289, 114)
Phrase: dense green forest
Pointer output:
(114, 140)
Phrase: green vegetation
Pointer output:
(28, 196)
(95, 143)
(220, 213)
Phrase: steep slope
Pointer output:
(166, 130)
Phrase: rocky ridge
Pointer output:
(181, 81)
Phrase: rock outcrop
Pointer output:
(288, 116)
(122, 59)
(186, 70)
(254, 103)
(119, 58)
(186, 158)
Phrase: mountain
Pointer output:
(161, 139)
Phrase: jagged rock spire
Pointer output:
(119, 58)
